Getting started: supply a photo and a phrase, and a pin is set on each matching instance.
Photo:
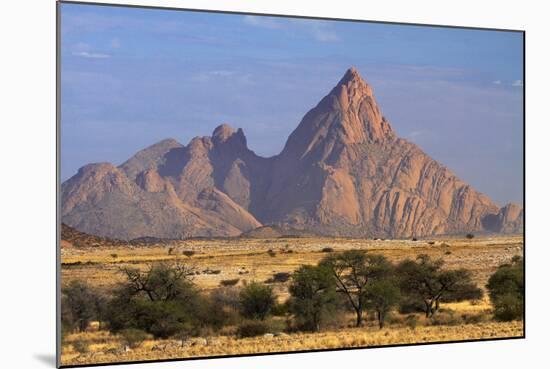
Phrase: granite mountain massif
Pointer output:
(343, 172)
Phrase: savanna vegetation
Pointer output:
(163, 301)
(230, 297)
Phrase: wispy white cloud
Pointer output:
(91, 55)
(497, 82)
(84, 50)
(81, 46)
(210, 75)
(221, 74)
(517, 83)
(320, 31)
(262, 22)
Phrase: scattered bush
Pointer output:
(211, 271)
(280, 277)
(65, 330)
(188, 253)
(163, 302)
(70, 264)
(516, 260)
(220, 308)
(229, 282)
(114, 256)
(271, 253)
(506, 290)
(508, 307)
(409, 305)
(470, 236)
(445, 318)
(81, 346)
(185, 332)
(216, 310)
(170, 250)
(256, 301)
(280, 309)
(226, 298)
(393, 318)
(79, 305)
(253, 328)
(448, 252)
(475, 318)
(411, 321)
(133, 337)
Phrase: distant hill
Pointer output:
(343, 172)
(71, 237)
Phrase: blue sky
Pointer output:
(131, 77)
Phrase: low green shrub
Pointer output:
(81, 346)
(411, 321)
(280, 277)
(253, 328)
(445, 318)
(133, 337)
(229, 282)
(279, 309)
(475, 318)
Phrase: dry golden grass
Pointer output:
(104, 347)
(248, 259)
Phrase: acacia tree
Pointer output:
(161, 282)
(353, 270)
(382, 296)
(313, 296)
(159, 300)
(425, 280)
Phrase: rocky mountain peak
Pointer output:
(356, 100)
(348, 115)
(353, 78)
(225, 134)
(96, 169)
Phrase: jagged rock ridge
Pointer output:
(343, 172)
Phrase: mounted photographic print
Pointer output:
(238, 184)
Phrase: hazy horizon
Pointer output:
(132, 77)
